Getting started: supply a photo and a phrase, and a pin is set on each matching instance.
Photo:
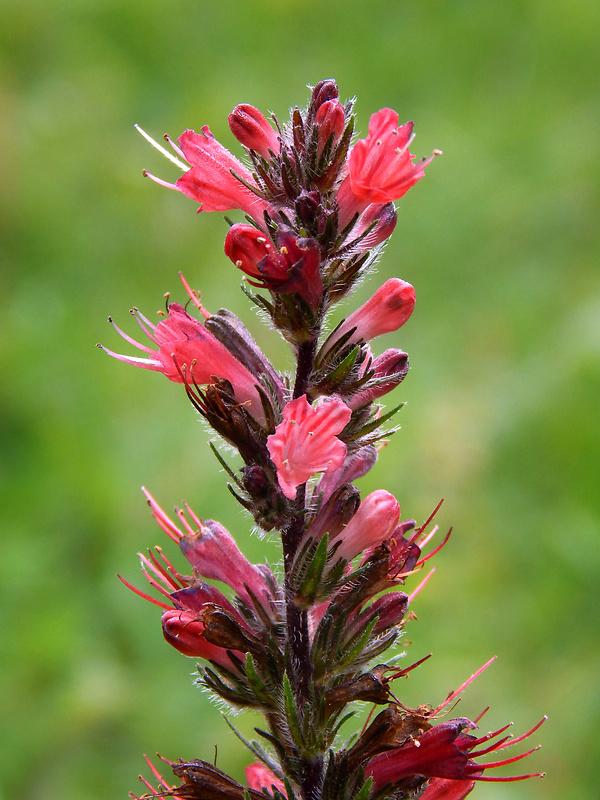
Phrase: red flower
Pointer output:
(331, 119)
(306, 442)
(380, 167)
(252, 129)
(291, 267)
(216, 180)
(189, 353)
(445, 751)
(211, 181)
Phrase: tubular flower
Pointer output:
(252, 129)
(373, 523)
(444, 751)
(189, 353)
(211, 181)
(211, 550)
(388, 309)
(380, 167)
(213, 176)
(306, 441)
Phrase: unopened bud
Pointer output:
(322, 92)
(390, 369)
(388, 309)
(336, 512)
(331, 120)
(373, 523)
(252, 129)
(184, 630)
(375, 225)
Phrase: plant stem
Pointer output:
(297, 619)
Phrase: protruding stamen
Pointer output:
(412, 596)
(161, 149)
(144, 595)
(194, 297)
(460, 689)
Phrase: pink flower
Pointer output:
(380, 167)
(212, 551)
(252, 129)
(444, 751)
(306, 442)
(374, 522)
(291, 267)
(211, 182)
(189, 353)
(388, 309)
(260, 777)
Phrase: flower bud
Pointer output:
(322, 92)
(336, 513)
(184, 630)
(390, 369)
(331, 120)
(379, 221)
(252, 129)
(388, 309)
(373, 523)
(391, 608)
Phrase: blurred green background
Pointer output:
(501, 243)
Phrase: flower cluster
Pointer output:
(300, 647)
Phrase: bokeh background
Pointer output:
(502, 416)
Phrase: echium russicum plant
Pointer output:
(304, 644)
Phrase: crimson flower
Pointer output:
(445, 751)
(306, 442)
(291, 267)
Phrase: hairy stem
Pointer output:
(297, 619)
